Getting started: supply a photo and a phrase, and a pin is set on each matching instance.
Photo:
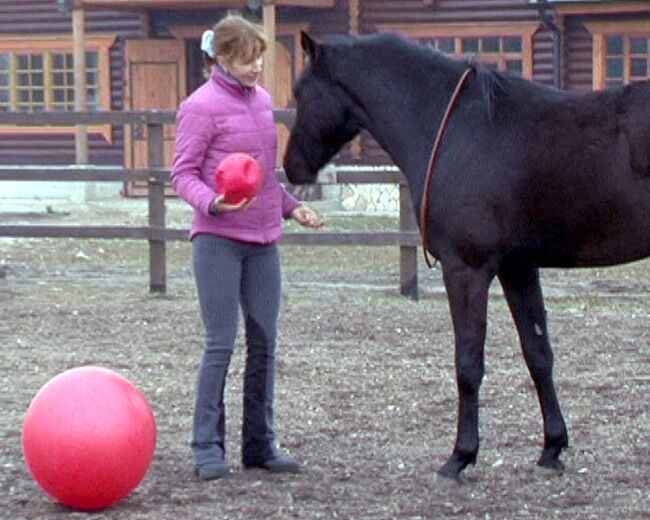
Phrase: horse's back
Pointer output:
(563, 178)
(585, 177)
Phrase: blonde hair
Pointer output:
(235, 37)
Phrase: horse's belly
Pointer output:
(599, 253)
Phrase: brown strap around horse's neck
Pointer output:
(424, 209)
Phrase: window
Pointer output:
(626, 59)
(621, 53)
(504, 47)
(496, 52)
(33, 82)
(5, 73)
(38, 75)
(62, 75)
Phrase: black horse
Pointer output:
(526, 177)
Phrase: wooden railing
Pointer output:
(156, 232)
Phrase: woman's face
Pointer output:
(246, 72)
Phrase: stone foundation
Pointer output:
(374, 198)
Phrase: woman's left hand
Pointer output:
(306, 217)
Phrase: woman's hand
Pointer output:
(219, 206)
(306, 217)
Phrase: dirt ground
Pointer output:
(366, 397)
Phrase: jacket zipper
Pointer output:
(262, 219)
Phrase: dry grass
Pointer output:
(366, 395)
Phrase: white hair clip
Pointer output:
(207, 43)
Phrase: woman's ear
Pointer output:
(222, 62)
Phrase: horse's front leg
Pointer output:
(522, 289)
(467, 290)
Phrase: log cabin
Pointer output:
(144, 54)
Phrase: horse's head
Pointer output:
(324, 119)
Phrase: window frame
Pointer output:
(100, 44)
(600, 30)
(525, 30)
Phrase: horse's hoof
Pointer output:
(550, 468)
(455, 465)
(451, 471)
(446, 481)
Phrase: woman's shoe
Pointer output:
(279, 462)
(213, 471)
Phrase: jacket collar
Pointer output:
(222, 78)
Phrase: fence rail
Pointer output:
(118, 118)
(406, 237)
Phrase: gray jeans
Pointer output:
(229, 275)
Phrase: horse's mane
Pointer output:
(496, 88)
(492, 84)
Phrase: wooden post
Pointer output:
(355, 15)
(408, 259)
(268, 17)
(157, 258)
(79, 60)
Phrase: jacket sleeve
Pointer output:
(289, 202)
(193, 137)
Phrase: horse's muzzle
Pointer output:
(297, 169)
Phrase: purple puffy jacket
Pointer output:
(219, 118)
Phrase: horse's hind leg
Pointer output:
(522, 289)
(467, 290)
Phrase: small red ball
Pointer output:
(89, 437)
(238, 177)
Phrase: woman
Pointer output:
(235, 252)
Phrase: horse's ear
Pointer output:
(309, 45)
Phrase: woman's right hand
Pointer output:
(219, 206)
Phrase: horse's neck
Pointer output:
(402, 113)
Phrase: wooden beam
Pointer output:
(75, 173)
(322, 238)
(285, 116)
(268, 20)
(354, 14)
(598, 75)
(353, 238)
(432, 30)
(157, 247)
(145, 23)
(135, 5)
(76, 232)
(305, 3)
(611, 7)
(617, 26)
(79, 60)
(354, 11)
(408, 261)
(80, 173)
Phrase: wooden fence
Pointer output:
(156, 232)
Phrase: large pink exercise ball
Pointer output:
(89, 437)
(238, 177)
